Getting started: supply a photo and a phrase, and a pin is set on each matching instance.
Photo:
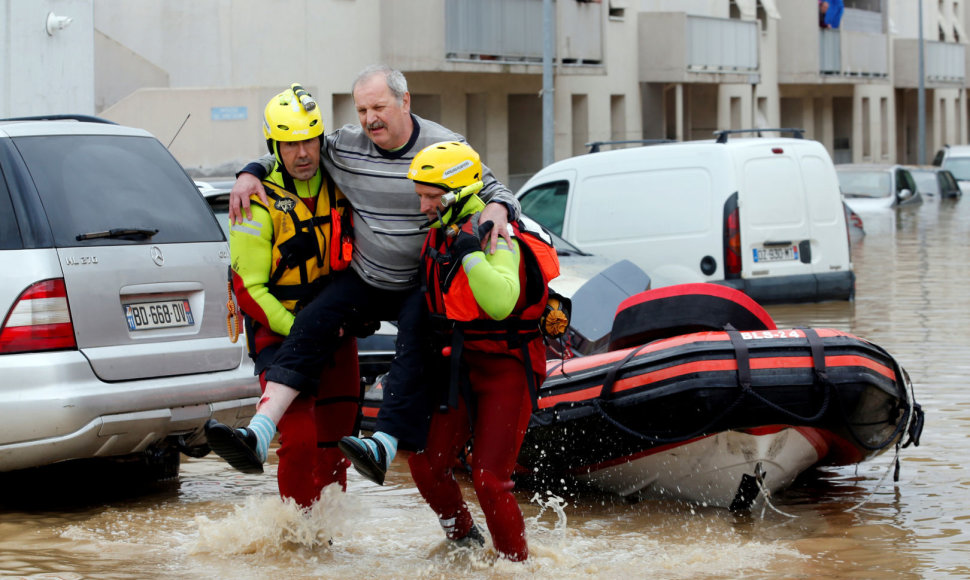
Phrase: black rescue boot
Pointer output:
(236, 446)
(365, 462)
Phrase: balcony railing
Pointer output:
(721, 45)
(851, 53)
(511, 31)
(945, 61)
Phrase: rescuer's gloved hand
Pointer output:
(468, 239)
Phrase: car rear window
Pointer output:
(959, 167)
(9, 232)
(98, 183)
(865, 183)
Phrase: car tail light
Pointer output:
(39, 320)
(851, 219)
(732, 239)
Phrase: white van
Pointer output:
(763, 215)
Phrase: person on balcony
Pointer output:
(830, 13)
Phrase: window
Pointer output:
(546, 204)
(9, 232)
(96, 183)
(904, 180)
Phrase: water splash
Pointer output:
(267, 524)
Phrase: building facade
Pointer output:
(197, 74)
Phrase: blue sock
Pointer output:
(265, 430)
(388, 441)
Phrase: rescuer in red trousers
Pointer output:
(485, 309)
(281, 259)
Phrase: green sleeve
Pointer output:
(494, 279)
(251, 248)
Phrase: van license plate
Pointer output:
(165, 314)
(776, 254)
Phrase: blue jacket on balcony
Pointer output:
(832, 15)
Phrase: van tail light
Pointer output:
(852, 219)
(39, 320)
(732, 239)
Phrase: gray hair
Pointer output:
(394, 78)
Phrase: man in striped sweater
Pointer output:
(370, 163)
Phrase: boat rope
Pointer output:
(820, 376)
(879, 483)
(766, 494)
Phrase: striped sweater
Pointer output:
(387, 217)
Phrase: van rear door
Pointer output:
(831, 262)
(776, 233)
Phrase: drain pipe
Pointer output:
(548, 90)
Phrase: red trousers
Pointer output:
(311, 427)
(503, 408)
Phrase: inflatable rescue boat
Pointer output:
(700, 397)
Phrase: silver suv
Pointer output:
(113, 341)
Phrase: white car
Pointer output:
(956, 158)
(868, 188)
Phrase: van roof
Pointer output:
(711, 145)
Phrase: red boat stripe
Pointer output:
(721, 365)
(571, 396)
(586, 362)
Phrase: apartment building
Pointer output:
(197, 74)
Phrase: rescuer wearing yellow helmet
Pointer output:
(369, 161)
(281, 259)
(485, 310)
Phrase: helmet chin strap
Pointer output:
(454, 202)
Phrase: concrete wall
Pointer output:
(798, 44)
(46, 73)
(212, 132)
(202, 50)
(716, 8)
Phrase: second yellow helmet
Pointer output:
(450, 165)
(286, 119)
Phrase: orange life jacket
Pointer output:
(454, 309)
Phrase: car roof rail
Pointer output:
(64, 117)
(594, 147)
(722, 136)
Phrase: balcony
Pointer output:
(678, 47)
(850, 53)
(511, 31)
(944, 63)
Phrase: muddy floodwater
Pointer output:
(912, 298)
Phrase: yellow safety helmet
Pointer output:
(292, 116)
(454, 167)
(449, 165)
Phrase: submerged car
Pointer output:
(936, 182)
(873, 187)
(956, 159)
(113, 342)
